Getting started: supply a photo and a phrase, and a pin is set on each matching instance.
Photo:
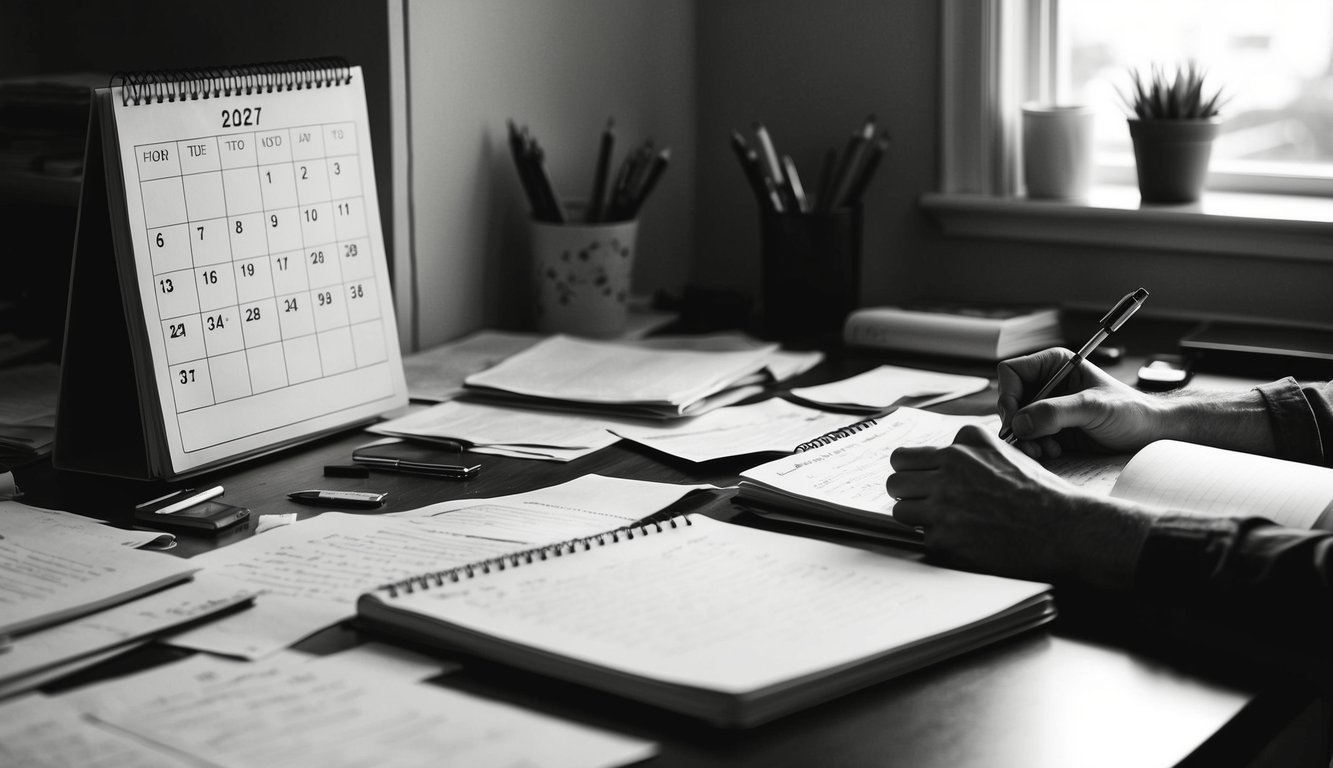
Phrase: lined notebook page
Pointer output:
(653, 605)
(1196, 478)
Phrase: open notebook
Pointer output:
(730, 624)
(1195, 478)
(837, 479)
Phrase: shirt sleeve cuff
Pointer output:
(1295, 431)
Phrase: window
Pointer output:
(1272, 60)
(996, 54)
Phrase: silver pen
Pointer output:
(1109, 324)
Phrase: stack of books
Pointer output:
(955, 330)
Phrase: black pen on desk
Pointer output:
(452, 471)
(1109, 324)
(350, 499)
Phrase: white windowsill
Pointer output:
(1233, 223)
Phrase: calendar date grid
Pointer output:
(262, 262)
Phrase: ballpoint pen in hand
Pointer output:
(1109, 324)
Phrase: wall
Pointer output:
(562, 68)
(812, 72)
(39, 37)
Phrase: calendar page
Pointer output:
(260, 266)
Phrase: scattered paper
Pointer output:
(291, 712)
(773, 425)
(39, 731)
(886, 385)
(150, 615)
(437, 374)
(388, 662)
(310, 574)
(56, 523)
(506, 431)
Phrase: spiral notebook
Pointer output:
(722, 622)
(836, 480)
(230, 291)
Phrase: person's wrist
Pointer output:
(1236, 420)
(1110, 536)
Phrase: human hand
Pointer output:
(1090, 410)
(986, 507)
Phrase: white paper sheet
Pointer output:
(291, 712)
(772, 425)
(310, 574)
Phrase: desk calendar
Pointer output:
(229, 221)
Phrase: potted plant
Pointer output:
(1173, 125)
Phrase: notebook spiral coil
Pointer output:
(836, 434)
(529, 556)
(155, 86)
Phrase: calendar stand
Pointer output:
(229, 294)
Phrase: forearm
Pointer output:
(1238, 421)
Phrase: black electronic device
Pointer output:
(1162, 373)
(210, 516)
(1268, 351)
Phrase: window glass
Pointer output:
(1273, 59)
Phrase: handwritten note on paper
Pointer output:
(40, 731)
(49, 578)
(567, 368)
(881, 387)
(679, 627)
(53, 522)
(850, 472)
(773, 426)
(286, 711)
(505, 431)
(36, 651)
(580, 507)
(437, 374)
(310, 574)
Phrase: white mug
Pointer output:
(1057, 150)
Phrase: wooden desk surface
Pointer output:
(1078, 694)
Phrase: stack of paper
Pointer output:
(71, 589)
(621, 379)
(522, 433)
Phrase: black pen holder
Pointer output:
(811, 265)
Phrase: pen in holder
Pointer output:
(582, 275)
(811, 263)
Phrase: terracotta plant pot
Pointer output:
(1172, 157)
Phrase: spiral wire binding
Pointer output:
(836, 434)
(528, 556)
(155, 86)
